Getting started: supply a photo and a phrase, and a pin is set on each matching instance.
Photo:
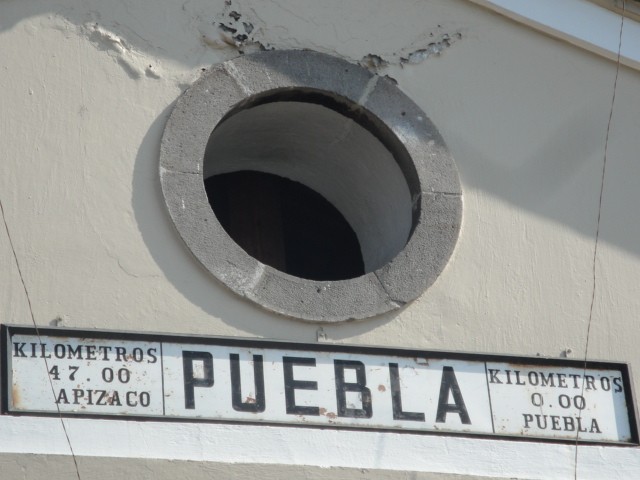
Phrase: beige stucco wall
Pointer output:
(86, 87)
(39, 467)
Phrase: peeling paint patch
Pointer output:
(432, 49)
(377, 62)
(232, 29)
(373, 62)
(105, 39)
(329, 415)
(135, 64)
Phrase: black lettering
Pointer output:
(254, 405)
(590, 382)
(518, 381)
(102, 397)
(396, 398)
(562, 381)
(594, 427)
(527, 419)
(549, 380)
(145, 399)
(19, 349)
(617, 382)
(151, 353)
(493, 376)
(291, 385)
(77, 395)
(564, 401)
(359, 386)
(605, 384)
(537, 400)
(569, 424)
(449, 383)
(190, 382)
(89, 397)
(124, 375)
(120, 354)
(138, 354)
(62, 397)
(580, 428)
(105, 352)
(107, 374)
(91, 352)
(43, 351)
(59, 351)
(508, 372)
(533, 378)
(33, 349)
(575, 379)
(555, 422)
(114, 399)
(131, 402)
(77, 353)
(541, 425)
(55, 372)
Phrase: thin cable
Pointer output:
(595, 246)
(33, 320)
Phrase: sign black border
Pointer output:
(6, 331)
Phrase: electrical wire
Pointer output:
(597, 235)
(33, 320)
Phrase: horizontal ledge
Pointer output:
(578, 22)
(231, 443)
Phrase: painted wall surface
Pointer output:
(86, 88)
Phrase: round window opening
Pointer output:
(304, 183)
(310, 186)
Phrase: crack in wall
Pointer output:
(397, 303)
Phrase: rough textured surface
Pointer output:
(403, 279)
(430, 157)
(322, 301)
(427, 252)
(295, 68)
(193, 117)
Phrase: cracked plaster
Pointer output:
(230, 28)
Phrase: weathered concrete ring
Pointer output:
(376, 104)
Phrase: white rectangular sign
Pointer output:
(199, 378)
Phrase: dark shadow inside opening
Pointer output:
(285, 225)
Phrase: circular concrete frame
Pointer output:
(422, 154)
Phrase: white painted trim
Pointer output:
(316, 447)
(579, 22)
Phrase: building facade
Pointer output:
(534, 113)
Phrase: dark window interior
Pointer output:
(286, 225)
